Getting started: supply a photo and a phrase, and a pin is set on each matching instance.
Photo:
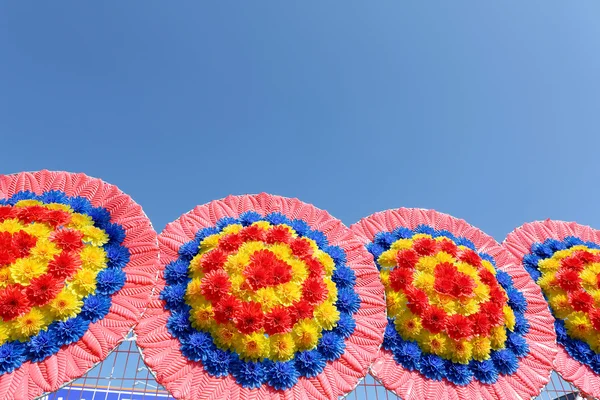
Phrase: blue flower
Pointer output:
(188, 250)
(579, 350)
(197, 345)
(426, 229)
(384, 239)
(331, 346)
(541, 250)
(300, 226)
(487, 257)
(505, 361)
(109, 280)
(592, 245)
(12, 355)
(205, 232)
(250, 217)
(375, 249)
(69, 331)
(459, 374)
(176, 272)
(80, 205)
(53, 196)
(276, 218)
(249, 374)
(309, 363)
(595, 363)
(433, 367)
(531, 260)
(344, 277)
(100, 215)
(571, 241)
(95, 307)
(504, 279)
(408, 354)
(555, 245)
(23, 195)
(462, 241)
(561, 331)
(402, 233)
(115, 232)
(179, 324)
(225, 221)
(3, 202)
(390, 337)
(41, 346)
(118, 256)
(347, 301)
(217, 363)
(521, 324)
(336, 252)
(516, 300)
(533, 272)
(319, 237)
(345, 325)
(281, 375)
(484, 371)
(517, 344)
(174, 296)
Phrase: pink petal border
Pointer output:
(73, 361)
(518, 243)
(534, 370)
(188, 380)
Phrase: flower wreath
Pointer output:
(76, 270)
(564, 260)
(262, 296)
(464, 320)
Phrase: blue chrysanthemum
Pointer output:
(205, 232)
(249, 217)
(178, 324)
(541, 250)
(249, 374)
(348, 300)
(276, 218)
(109, 280)
(41, 346)
(95, 307)
(69, 331)
(115, 232)
(579, 350)
(505, 361)
(80, 205)
(118, 256)
(408, 355)
(384, 239)
(188, 250)
(433, 367)
(462, 241)
(197, 345)
(521, 324)
(309, 363)
(426, 229)
(517, 344)
(402, 233)
(345, 325)
(100, 215)
(571, 241)
(300, 226)
(484, 371)
(281, 375)
(174, 295)
(176, 272)
(12, 355)
(225, 221)
(595, 363)
(24, 195)
(561, 331)
(459, 374)
(390, 336)
(504, 279)
(217, 363)
(319, 238)
(331, 346)
(516, 300)
(344, 277)
(53, 196)
(336, 252)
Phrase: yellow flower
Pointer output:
(388, 258)
(28, 325)
(548, 265)
(196, 267)
(509, 318)
(84, 282)
(468, 307)
(4, 332)
(299, 270)
(93, 258)
(560, 305)
(233, 228)
(498, 337)
(282, 346)
(434, 344)
(331, 289)
(594, 341)
(326, 260)
(288, 293)
(25, 269)
(442, 256)
(267, 297)
(427, 263)
(193, 293)
(306, 334)
(282, 251)
(11, 225)
(408, 325)
(327, 315)
(59, 206)
(588, 278)
(95, 236)
(402, 244)
(546, 281)
(209, 243)
(384, 275)
(262, 224)
(481, 348)
(79, 221)
(38, 230)
(489, 266)
(578, 325)
(424, 280)
(559, 255)
(226, 336)
(202, 316)
(28, 203)
(253, 346)
(460, 351)
(396, 302)
(44, 250)
(65, 305)
(5, 278)
(481, 292)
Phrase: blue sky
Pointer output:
(487, 111)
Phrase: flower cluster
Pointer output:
(61, 259)
(265, 299)
(568, 272)
(451, 313)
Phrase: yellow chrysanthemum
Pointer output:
(196, 267)
(327, 315)
(79, 221)
(408, 325)
(594, 341)
(460, 351)
(38, 230)
(467, 269)
(481, 292)
(5, 277)
(549, 265)
(44, 250)
(481, 348)
(442, 257)
(11, 225)
(402, 244)
(299, 270)
(267, 297)
(28, 325)
(282, 347)
(331, 289)
(95, 236)
(282, 251)
(396, 302)
(233, 228)
(387, 259)
(547, 281)
(560, 305)
(59, 206)
(202, 317)
(253, 346)
(498, 337)
(559, 255)
(84, 282)
(468, 307)
(306, 334)
(384, 275)
(209, 243)
(427, 263)
(489, 266)
(434, 344)
(288, 293)
(65, 305)
(326, 260)
(93, 258)
(588, 278)
(4, 332)
(28, 203)
(509, 318)
(193, 293)
(226, 335)
(424, 280)
(25, 269)
(262, 224)
(578, 325)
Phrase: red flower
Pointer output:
(470, 257)
(302, 310)
(301, 247)
(22, 243)
(278, 234)
(213, 260)
(68, 239)
(31, 214)
(492, 311)
(448, 246)
(278, 320)
(252, 233)
(249, 318)
(7, 212)
(215, 285)
(595, 318)
(497, 295)
(281, 273)
(64, 265)
(580, 300)
(487, 277)
(443, 285)
(315, 267)
(57, 217)
(434, 319)
(226, 309)
(257, 277)
(417, 300)
(13, 302)
(400, 278)
(568, 279)
(463, 285)
(444, 270)
(230, 243)
(573, 262)
(43, 289)
(480, 323)
(585, 256)
(424, 246)
(314, 290)
(7, 255)
(458, 327)
(407, 258)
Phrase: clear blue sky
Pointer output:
(489, 111)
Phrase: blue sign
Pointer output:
(74, 393)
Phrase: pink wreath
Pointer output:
(186, 379)
(534, 371)
(32, 379)
(519, 244)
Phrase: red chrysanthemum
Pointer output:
(32, 214)
(215, 285)
(7, 212)
(407, 258)
(68, 239)
(230, 243)
(568, 279)
(463, 285)
(64, 265)
(417, 300)
(281, 273)
(486, 277)
(400, 278)
(585, 256)
(315, 268)
(470, 257)
(278, 234)
(443, 285)
(434, 319)
(580, 300)
(481, 323)
(303, 310)
(13, 302)
(249, 318)
(492, 311)
(301, 247)
(595, 318)
(458, 327)
(43, 289)
(314, 290)
(252, 233)
(572, 262)
(424, 246)
(22, 243)
(226, 309)
(213, 260)
(497, 295)
(277, 320)
(57, 217)
(448, 246)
